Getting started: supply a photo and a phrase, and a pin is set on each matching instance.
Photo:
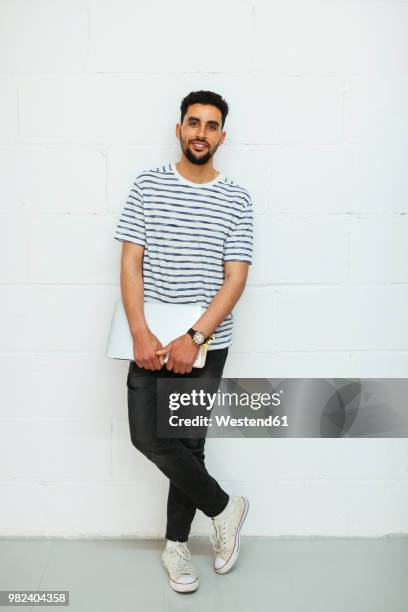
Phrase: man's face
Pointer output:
(200, 134)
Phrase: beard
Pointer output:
(198, 160)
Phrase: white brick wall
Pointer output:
(317, 131)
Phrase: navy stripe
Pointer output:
(222, 187)
(182, 261)
(185, 226)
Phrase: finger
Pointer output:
(146, 364)
(152, 364)
(163, 350)
(170, 363)
(157, 364)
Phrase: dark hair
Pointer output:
(204, 97)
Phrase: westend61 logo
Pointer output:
(207, 400)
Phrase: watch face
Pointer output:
(199, 337)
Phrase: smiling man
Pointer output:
(187, 234)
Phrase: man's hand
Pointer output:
(145, 345)
(182, 354)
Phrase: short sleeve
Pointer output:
(131, 224)
(239, 242)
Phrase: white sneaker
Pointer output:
(226, 535)
(183, 576)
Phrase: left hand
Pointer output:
(182, 354)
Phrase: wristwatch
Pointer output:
(199, 338)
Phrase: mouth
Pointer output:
(199, 145)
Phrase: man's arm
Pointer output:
(132, 290)
(131, 285)
(235, 277)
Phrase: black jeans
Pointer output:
(180, 459)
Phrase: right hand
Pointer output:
(145, 345)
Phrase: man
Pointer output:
(187, 233)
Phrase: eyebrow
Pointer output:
(197, 119)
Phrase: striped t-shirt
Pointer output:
(188, 230)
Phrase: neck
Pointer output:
(194, 173)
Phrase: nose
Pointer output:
(201, 133)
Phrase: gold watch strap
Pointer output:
(211, 338)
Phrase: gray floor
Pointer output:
(280, 574)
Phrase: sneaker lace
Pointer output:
(180, 557)
(218, 538)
